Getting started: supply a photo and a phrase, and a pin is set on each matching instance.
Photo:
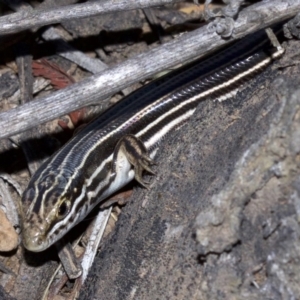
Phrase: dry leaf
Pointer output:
(8, 236)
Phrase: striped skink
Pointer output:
(121, 143)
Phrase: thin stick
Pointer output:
(30, 19)
(188, 46)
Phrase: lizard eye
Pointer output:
(63, 209)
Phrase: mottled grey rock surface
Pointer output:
(221, 218)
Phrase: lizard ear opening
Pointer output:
(29, 195)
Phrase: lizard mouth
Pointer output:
(34, 240)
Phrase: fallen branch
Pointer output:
(188, 46)
(31, 19)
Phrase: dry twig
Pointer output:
(186, 47)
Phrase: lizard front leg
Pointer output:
(137, 155)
